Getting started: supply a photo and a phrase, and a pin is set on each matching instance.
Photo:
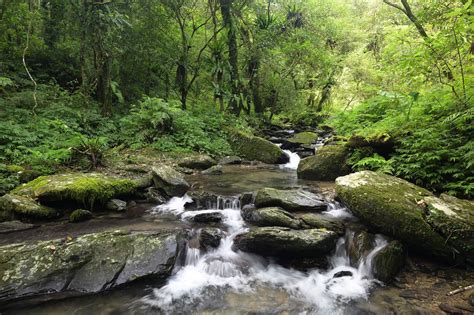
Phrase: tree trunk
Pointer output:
(254, 83)
(226, 7)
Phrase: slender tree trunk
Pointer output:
(226, 11)
(254, 83)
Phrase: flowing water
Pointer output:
(208, 278)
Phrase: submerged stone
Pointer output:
(290, 200)
(327, 164)
(85, 265)
(287, 243)
(170, 181)
(86, 189)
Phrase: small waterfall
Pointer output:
(337, 210)
(294, 160)
(207, 277)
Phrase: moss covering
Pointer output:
(328, 164)
(86, 189)
(304, 138)
(256, 148)
(388, 262)
(80, 215)
(390, 205)
(24, 208)
(272, 216)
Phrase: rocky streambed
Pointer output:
(242, 238)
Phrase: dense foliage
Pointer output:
(78, 78)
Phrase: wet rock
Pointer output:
(211, 217)
(214, 170)
(153, 195)
(116, 205)
(230, 160)
(388, 261)
(410, 214)
(272, 216)
(169, 181)
(24, 208)
(210, 237)
(86, 189)
(202, 200)
(14, 226)
(256, 148)
(451, 309)
(319, 221)
(301, 138)
(344, 273)
(327, 164)
(290, 200)
(198, 162)
(246, 199)
(471, 299)
(358, 245)
(286, 243)
(144, 181)
(85, 265)
(80, 215)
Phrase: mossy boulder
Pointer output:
(319, 221)
(256, 148)
(453, 218)
(290, 200)
(24, 208)
(301, 138)
(388, 261)
(80, 215)
(396, 208)
(272, 216)
(327, 164)
(85, 189)
(85, 265)
(198, 162)
(287, 243)
(169, 181)
(210, 237)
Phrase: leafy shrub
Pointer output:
(92, 149)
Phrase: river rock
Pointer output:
(290, 200)
(116, 205)
(358, 244)
(14, 226)
(85, 265)
(409, 213)
(327, 164)
(230, 160)
(301, 138)
(85, 189)
(210, 237)
(24, 208)
(319, 221)
(80, 215)
(209, 217)
(169, 181)
(286, 243)
(214, 170)
(388, 261)
(272, 216)
(258, 149)
(198, 162)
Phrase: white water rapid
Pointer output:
(208, 278)
(294, 160)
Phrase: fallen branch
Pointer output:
(469, 287)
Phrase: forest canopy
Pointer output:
(83, 80)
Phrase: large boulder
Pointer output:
(388, 261)
(86, 189)
(24, 208)
(290, 200)
(88, 264)
(258, 149)
(327, 164)
(272, 216)
(198, 162)
(320, 221)
(169, 181)
(411, 214)
(302, 138)
(286, 243)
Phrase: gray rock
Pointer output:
(286, 243)
(211, 217)
(199, 162)
(24, 208)
(153, 195)
(210, 237)
(255, 148)
(388, 261)
(116, 205)
(230, 160)
(272, 216)
(319, 221)
(80, 215)
(290, 200)
(358, 244)
(328, 164)
(169, 181)
(88, 264)
(214, 170)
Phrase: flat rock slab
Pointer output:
(14, 226)
(87, 264)
(290, 200)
